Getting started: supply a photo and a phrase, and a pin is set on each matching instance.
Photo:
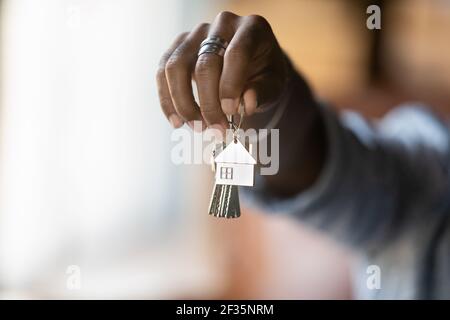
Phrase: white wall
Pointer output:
(85, 172)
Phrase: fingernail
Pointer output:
(196, 125)
(250, 101)
(229, 106)
(175, 121)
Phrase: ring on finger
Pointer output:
(213, 44)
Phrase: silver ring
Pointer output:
(214, 45)
(215, 40)
(212, 48)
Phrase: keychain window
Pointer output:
(226, 173)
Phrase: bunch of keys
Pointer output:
(233, 166)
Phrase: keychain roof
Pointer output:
(235, 152)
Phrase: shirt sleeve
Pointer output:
(375, 177)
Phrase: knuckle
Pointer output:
(180, 50)
(172, 65)
(160, 74)
(182, 36)
(178, 61)
(163, 61)
(202, 26)
(258, 25)
(258, 20)
(225, 16)
(170, 59)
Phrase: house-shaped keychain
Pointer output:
(235, 165)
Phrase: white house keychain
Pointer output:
(233, 166)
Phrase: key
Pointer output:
(225, 201)
(233, 166)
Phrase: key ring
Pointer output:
(235, 128)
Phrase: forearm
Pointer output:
(302, 145)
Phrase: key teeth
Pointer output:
(227, 216)
(225, 202)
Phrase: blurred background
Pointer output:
(86, 181)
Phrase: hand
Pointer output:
(253, 67)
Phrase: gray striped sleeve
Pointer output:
(374, 179)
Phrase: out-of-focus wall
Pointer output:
(85, 174)
(86, 178)
(321, 37)
(417, 45)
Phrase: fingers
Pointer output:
(260, 90)
(165, 99)
(208, 71)
(178, 70)
(237, 62)
(250, 101)
(221, 81)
